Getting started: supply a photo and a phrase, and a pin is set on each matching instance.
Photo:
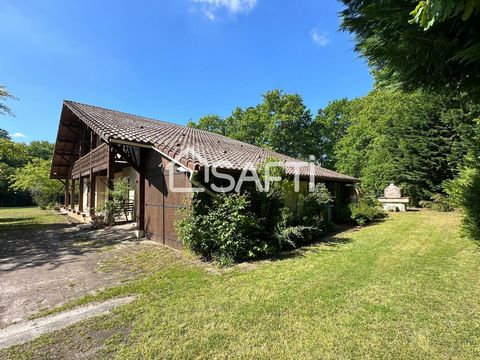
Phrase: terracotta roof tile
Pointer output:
(191, 147)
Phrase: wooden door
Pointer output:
(154, 184)
(161, 205)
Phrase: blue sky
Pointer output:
(173, 60)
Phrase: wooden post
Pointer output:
(110, 170)
(141, 192)
(91, 195)
(93, 140)
(72, 198)
(66, 194)
(80, 194)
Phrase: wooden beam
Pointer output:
(67, 140)
(125, 156)
(93, 140)
(80, 194)
(141, 192)
(60, 152)
(72, 125)
(110, 170)
(68, 161)
(72, 131)
(72, 198)
(91, 194)
(66, 194)
(82, 141)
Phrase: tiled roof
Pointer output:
(191, 147)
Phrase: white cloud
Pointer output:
(19, 135)
(319, 38)
(211, 8)
(210, 15)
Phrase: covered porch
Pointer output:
(88, 164)
(92, 177)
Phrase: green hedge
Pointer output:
(465, 192)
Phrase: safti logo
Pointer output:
(249, 174)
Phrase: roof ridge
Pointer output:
(124, 113)
(156, 121)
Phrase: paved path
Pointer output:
(29, 330)
(45, 267)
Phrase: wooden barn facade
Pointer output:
(95, 146)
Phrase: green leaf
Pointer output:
(469, 6)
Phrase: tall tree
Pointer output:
(429, 12)
(289, 123)
(281, 122)
(12, 155)
(249, 125)
(212, 123)
(40, 149)
(4, 135)
(34, 177)
(330, 126)
(5, 95)
(16, 156)
(435, 46)
(443, 51)
(416, 139)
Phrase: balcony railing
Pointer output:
(94, 161)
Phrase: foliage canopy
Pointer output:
(34, 177)
(435, 45)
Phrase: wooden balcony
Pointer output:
(96, 160)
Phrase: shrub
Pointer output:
(342, 213)
(226, 233)
(313, 212)
(291, 236)
(465, 189)
(366, 210)
(104, 214)
(438, 202)
(291, 228)
(272, 219)
(235, 227)
(465, 192)
(112, 207)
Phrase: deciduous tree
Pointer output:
(281, 122)
(5, 95)
(417, 139)
(34, 177)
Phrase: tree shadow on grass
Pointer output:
(31, 245)
(14, 221)
(328, 242)
(326, 245)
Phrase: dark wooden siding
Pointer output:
(161, 204)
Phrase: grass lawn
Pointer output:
(16, 218)
(405, 288)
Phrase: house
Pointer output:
(94, 146)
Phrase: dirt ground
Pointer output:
(41, 268)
